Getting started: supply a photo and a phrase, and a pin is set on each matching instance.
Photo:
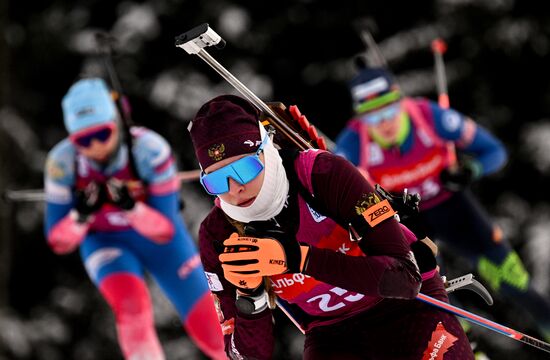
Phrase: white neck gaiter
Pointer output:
(273, 194)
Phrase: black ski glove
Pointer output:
(89, 200)
(407, 207)
(425, 252)
(462, 177)
(120, 195)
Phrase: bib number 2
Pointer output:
(335, 299)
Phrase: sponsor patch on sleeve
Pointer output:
(373, 210)
(378, 212)
(56, 193)
(451, 121)
(214, 282)
(54, 169)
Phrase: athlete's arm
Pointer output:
(62, 230)
(471, 138)
(156, 217)
(388, 269)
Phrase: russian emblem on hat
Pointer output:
(224, 127)
(216, 152)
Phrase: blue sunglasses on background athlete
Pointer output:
(386, 113)
(242, 171)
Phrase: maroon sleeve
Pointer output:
(389, 268)
(246, 336)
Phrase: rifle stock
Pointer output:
(302, 130)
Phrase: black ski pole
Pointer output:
(378, 59)
(105, 49)
(105, 43)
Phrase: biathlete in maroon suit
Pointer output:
(283, 225)
(404, 143)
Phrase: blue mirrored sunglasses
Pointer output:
(242, 171)
(386, 113)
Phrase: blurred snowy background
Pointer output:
(297, 52)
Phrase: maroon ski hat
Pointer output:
(225, 126)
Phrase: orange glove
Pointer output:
(246, 256)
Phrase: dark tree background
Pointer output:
(297, 52)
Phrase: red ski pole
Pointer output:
(439, 47)
(486, 323)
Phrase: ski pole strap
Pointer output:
(486, 323)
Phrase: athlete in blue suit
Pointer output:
(410, 143)
(120, 205)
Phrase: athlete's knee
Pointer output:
(128, 296)
(129, 299)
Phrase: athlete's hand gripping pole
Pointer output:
(274, 254)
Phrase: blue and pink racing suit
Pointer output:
(117, 247)
(456, 218)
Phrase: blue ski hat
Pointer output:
(88, 103)
(373, 88)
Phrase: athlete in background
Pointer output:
(405, 143)
(119, 205)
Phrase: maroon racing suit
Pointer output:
(356, 299)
